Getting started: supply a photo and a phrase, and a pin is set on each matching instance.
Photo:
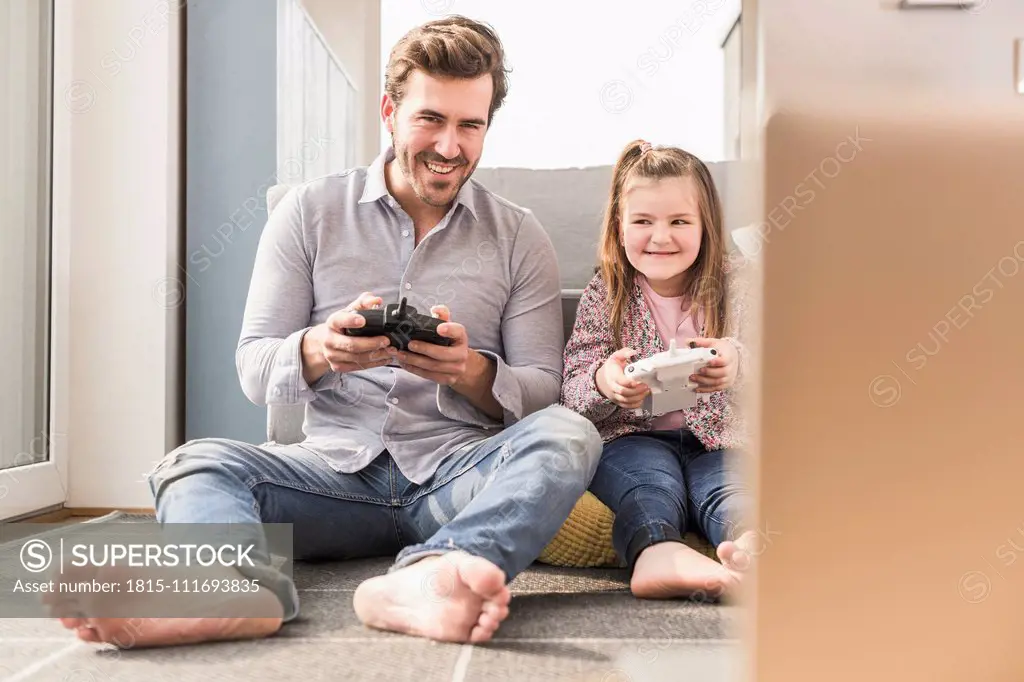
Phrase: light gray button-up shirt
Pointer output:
(333, 238)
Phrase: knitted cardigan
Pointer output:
(716, 422)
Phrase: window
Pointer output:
(733, 90)
(589, 77)
(25, 82)
(317, 102)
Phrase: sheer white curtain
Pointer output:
(25, 63)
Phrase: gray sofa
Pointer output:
(573, 223)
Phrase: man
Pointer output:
(456, 457)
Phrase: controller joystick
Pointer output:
(400, 323)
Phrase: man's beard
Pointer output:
(407, 164)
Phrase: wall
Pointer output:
(732, 53)
(352, 29)
(812, 50)
(751, 83)
(231, 161)
(117, 194)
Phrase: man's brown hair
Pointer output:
(452, 47)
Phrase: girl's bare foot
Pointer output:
(668, 570)
(737, 556)
(454, 597)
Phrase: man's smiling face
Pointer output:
(438, 131)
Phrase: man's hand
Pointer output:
(468, 372)
(613, 384)
(720, 373)
(326, 347)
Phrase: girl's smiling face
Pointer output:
(661, 230)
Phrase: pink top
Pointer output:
(673, 322)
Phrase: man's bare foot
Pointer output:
(737, 556)
(454, 597)
(133, 633)
(668, 570)
(254, 614)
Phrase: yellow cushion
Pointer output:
(585, 539)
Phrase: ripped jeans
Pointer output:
(503, 498)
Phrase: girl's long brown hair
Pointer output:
(705, 287)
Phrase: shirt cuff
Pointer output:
(506, 391)
(288, 386)
(328, 382)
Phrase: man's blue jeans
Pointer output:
(661, 484)
(503, 498)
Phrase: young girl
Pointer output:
(662, 277)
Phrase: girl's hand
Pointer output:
(720, 373)
(613, 384)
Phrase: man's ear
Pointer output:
(387, 113)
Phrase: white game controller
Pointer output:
(668, 376)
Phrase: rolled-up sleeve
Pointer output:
(529, 376)
(268, 357)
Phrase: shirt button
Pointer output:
(408, 286)
(393, 401)
(405, 233)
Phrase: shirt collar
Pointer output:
(376, 187)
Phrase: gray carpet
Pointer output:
(564, 624)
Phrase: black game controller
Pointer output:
(401, 323)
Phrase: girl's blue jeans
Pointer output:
(663, 484)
